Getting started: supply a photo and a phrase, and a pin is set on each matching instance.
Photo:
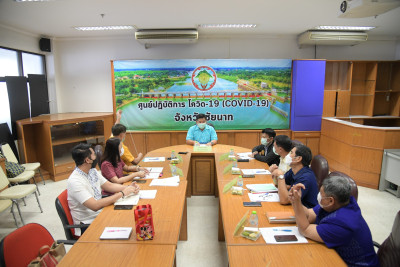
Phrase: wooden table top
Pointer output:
(283, 255)
(88, 254)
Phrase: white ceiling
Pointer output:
(57, 18)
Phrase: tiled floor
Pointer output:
(202, 247)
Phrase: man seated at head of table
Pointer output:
(300, 172)
(113, 168)
(282, 146)
(201, 132)
(119, 131)
(264, 152)
(336, 221)
(84, 187)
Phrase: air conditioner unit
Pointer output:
(331, 38)
(366, 8)
(166, 36)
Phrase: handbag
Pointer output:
(13, 169)
(49, 256)
(144, 222)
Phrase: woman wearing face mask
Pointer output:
(336, 221)
(264, 152)
(112, 167)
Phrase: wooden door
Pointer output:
(343, 103)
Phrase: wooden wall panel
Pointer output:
(225, 138)
(329, 104)
(137, 140)
(343, 104)
(366, 160)
(366, 179)
(284, 132)
(178, 138)
(370, 138)
(335, 149)
(157, 140)
(392, 140)
(247, 140)
(313, 144)
(203, 179)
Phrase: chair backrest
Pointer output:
(8, 153)
(98, 150)
(320, 167)
(354, 189)
(389, 251)
(3, 179)
(65, 215)
(296, 143)
(21, 246)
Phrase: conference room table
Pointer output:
(170, 223)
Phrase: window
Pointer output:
(16, 63)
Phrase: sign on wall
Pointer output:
(157, 95)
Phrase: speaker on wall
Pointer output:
(44, 44)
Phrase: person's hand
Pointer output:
(272, 168)
(209, 144)
(277, 172)
(295, 192)
(133, 188)
(141, 174)
(119, 114)
(139, 157)
(146, 171)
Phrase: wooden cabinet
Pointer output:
(48, 139)
(362, 88)
(203, 175)
(310, 139)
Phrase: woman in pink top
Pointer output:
(112, 167)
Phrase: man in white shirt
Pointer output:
(85, 185)
(282, 147)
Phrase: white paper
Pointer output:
(116, 233)
(264, 197)
(154, 159)
(151, 175)
(245, 155)
(172, 181)
(155, 169)
(262, 188)
(255, 171)
(147, 194)
(269, 232)
(128, 200)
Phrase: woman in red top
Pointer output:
(112, 167)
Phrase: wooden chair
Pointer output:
(16, 192)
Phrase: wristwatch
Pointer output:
(281, 177)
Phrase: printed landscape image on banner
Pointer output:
(158, 95)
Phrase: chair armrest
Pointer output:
(76, 226)
(66, 242)
(376, 244)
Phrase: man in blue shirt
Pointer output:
(299, 159)
(336, 221)
(201, 132)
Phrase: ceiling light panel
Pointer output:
(227, 25)
(345, 28)
(103, 28)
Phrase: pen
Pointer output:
(283, 230)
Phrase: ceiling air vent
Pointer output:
(331, 38)
(166, 36)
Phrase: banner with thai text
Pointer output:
(159, 95)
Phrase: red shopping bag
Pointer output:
(144, 222)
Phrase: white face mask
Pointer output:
(273, 149)
(288, 159)
(122, 152)
(264, 141)
(319, 198)
(201, 125)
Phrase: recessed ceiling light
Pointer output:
(103, 28)
(227, 25)
(345, 28)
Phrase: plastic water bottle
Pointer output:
(253, 220)
(231, 153)
(173, 170)
(234, 164)
(240, 181)
(173, 155)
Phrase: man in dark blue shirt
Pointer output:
(336, 221)
(300, 158)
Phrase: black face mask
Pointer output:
(94, 163)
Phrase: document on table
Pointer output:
(255, 171)
(245, 155)
(154, 159)
(155, 169)
(268, 234)
(263, 197)
(116, 233)
(147, 194)
(151, 175)
(128, 200)
(172, 181)
(262, 188)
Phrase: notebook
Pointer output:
(116, 233)
(280, 217)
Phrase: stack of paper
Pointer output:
(147, 194)
(255, 171)
(269, 234)
(128, 200)
(154, 159)
(281, 217)
(116, 233)
(262, 188)
(245, 155)
(173, 181)
(263, 197)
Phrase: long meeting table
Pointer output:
(170, 223)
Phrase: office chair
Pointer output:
(320, 167)
(354, 188)
(68, 223)
(17, 192)
(389, 250)
(98, 150)
(21, 246)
